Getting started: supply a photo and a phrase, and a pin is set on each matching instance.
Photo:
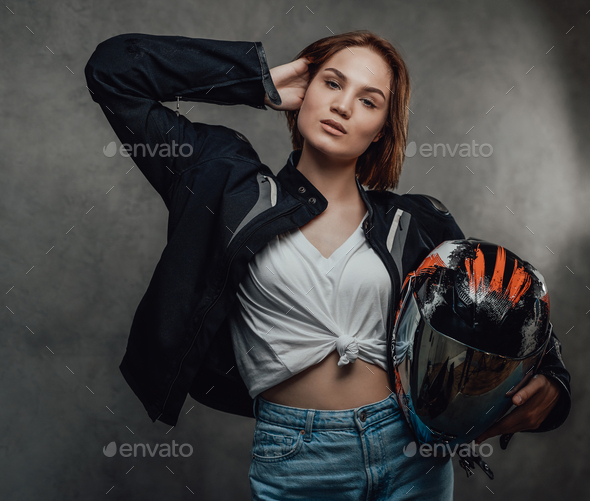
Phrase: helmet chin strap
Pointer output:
(468, 464)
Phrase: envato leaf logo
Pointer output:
(409, 450)
(110, 450)
(110, 150)
(411, 149)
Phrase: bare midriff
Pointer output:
(325, 386)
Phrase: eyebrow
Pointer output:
(366, 87)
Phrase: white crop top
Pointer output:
(295, 307)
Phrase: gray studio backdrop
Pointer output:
(82, 233)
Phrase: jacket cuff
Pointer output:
(561, 410)
(269, 86)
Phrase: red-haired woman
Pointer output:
(275, 293)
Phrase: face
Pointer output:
(344, 94)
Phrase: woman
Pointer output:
(359, 84)
(293, 277)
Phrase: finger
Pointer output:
(485, 435)
(513, 422)
(532, 387)
(497, 428)
(520, 418)
(492, 431)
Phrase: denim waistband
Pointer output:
(319, 419)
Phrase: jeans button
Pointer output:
(311, 200)
(302, 189)
(363, 416)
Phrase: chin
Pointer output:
(324, 146)
(333, 149)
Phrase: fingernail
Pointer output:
(518, 399)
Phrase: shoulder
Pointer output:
(226, 142)
(432, 203)
(426, 205)
(419, 204)
(431, 214)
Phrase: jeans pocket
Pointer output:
(273, 443)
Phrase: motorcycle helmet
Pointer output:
(470, 330)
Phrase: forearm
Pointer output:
(129, 74)
(160, 68)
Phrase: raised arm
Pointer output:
(129, 74)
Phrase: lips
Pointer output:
(336, 125)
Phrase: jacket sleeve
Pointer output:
(129, 74)
(551, 365)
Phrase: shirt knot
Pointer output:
(348, 349)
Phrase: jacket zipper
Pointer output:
(293, 209)
(392, 302)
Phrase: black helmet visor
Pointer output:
(451, 392)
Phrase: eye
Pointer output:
(370, 105)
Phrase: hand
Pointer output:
(291, 82)
(534, 401)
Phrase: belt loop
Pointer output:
(254, 407)
(309, 425)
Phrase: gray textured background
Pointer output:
(76, 260)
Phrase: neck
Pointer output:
(333, 177)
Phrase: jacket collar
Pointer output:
(295, 182)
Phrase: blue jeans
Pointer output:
(353, 454)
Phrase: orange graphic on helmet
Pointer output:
(519, 282)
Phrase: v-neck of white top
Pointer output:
(346, 247)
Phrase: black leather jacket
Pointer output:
(225, 205)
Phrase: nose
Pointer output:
(341, 106)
